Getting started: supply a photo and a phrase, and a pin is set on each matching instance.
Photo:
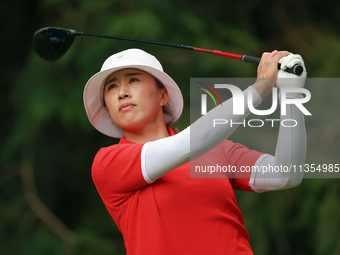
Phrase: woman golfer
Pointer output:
(144, 180)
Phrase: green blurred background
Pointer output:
(48, 203)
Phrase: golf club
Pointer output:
(51, 43)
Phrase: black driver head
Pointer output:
(51, 43)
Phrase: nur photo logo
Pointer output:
(242, 101)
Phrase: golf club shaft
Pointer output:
(297, 69)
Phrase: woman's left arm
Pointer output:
(282, 171)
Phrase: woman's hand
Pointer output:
(289, 80)
(267, 72)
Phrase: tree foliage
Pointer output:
(48, 203)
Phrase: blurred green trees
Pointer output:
(48, 204)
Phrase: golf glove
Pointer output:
(289, 80)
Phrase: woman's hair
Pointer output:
(166, 109)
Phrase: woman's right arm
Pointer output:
(161, 156)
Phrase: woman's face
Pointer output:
(133, 99)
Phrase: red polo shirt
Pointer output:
(176, 214)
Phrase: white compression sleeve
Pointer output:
(161, 156)
(290, 153)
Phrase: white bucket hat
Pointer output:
(131, 58)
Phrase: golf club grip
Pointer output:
(250, 59)
(296, 69)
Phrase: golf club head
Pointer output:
(51, 43)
